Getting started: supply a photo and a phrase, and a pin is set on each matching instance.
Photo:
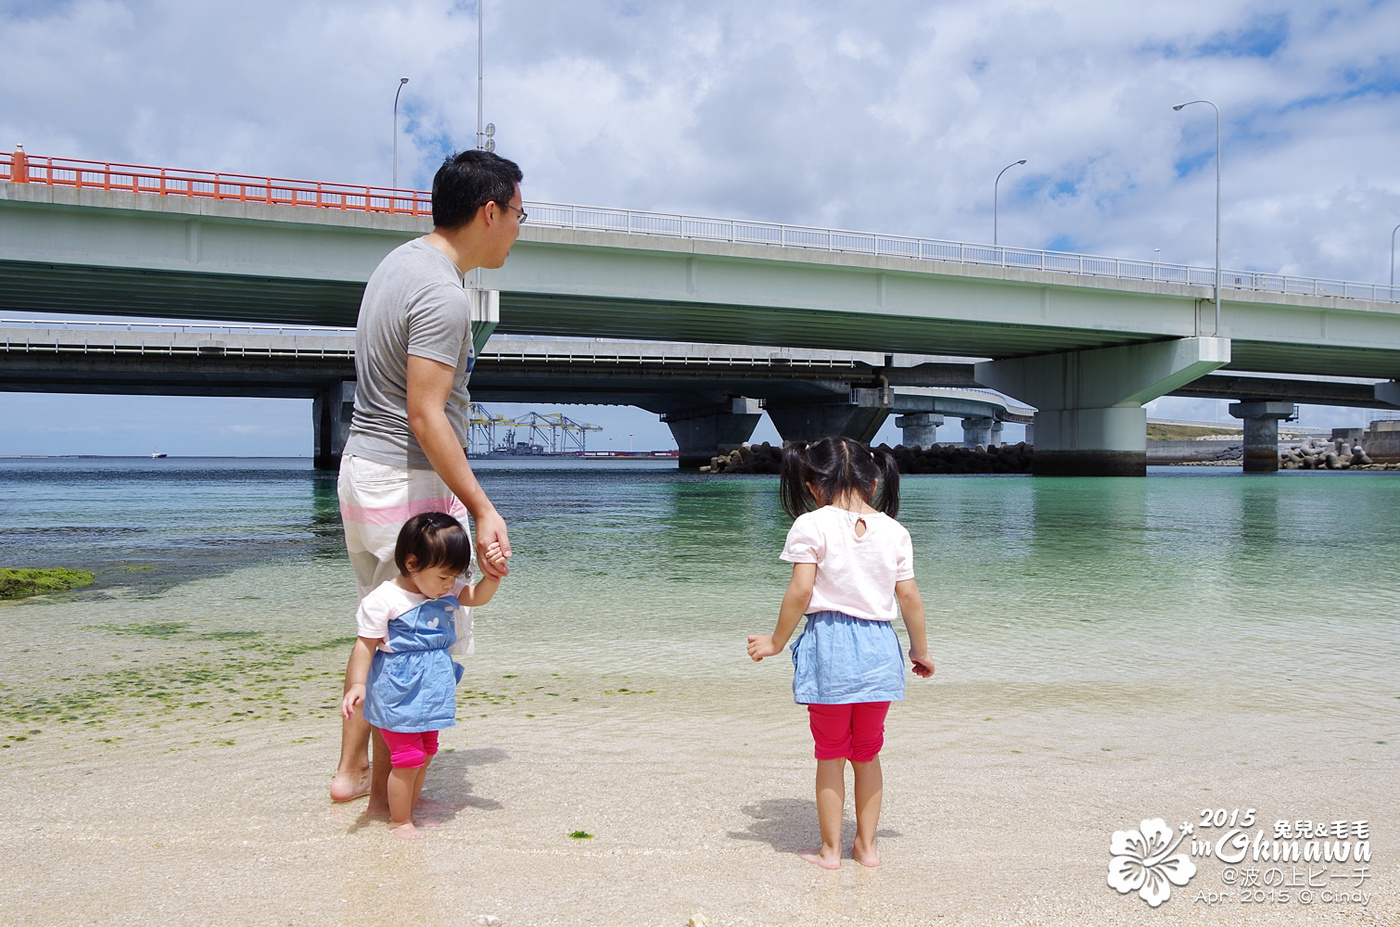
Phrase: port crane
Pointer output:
(553, 434)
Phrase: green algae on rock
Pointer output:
(20, 583)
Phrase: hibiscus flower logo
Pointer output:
(1143, 861)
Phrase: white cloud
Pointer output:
(894, 116)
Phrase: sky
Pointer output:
(894, 116)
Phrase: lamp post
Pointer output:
(402, 81)
(1178, 108)
(995, 184)
(1392, 260)
(484, 141)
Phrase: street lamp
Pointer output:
(994, 197)
(484, 139)
(402, 81)
(1178, 108)
(1392, 260)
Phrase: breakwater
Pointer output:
(1174, 453)
(1313, 454)
(940, 458)
(1336, 454)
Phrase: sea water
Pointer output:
(1195, 589)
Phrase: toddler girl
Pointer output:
(850, 561)
(400, 668)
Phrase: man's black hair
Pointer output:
(469, 180)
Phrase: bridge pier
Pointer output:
(1089, 419)
(486, 316)
(1261, 432)
(719, 428)
(977, 429)
(331, 411)
(858, 415)
(920, 429)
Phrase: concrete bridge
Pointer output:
(669, 379)
(1085, 340)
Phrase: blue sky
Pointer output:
(894, 116)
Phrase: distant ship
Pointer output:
(516, 449)
(156, 455)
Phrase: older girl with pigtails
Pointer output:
(851, 563)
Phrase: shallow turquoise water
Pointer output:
(1191, 586)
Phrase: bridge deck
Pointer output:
(287, 361)
(105, 252)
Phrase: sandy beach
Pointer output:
(997, 812)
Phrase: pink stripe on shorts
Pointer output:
(375, 500)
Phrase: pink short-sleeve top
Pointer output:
(855, 575)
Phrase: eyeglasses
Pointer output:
(523, 214)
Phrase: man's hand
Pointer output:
(492, 545)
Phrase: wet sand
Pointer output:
(999, 809)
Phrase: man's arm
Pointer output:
(429, 386)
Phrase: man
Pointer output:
(413, 355)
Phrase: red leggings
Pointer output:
(854, 732)
(410, 751)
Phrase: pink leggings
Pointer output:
(410, 751)
(855, 732)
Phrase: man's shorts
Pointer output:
(375, 500)
(854, 732)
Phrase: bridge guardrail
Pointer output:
(14, 335)
(212, 328)
(215, 185)
(80, 337)
(160, 181)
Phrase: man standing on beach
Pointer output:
(413, 355)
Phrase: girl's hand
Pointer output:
(354, 696)
(761, 645)
(923, 664)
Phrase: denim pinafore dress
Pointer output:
(413, 688)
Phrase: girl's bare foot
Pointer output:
(869, 858)
(426, 822)
(406, 831)
(819, 857)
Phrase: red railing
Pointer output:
(243, 188)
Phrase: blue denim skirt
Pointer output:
(838, 660)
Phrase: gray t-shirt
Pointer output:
(415, 303)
